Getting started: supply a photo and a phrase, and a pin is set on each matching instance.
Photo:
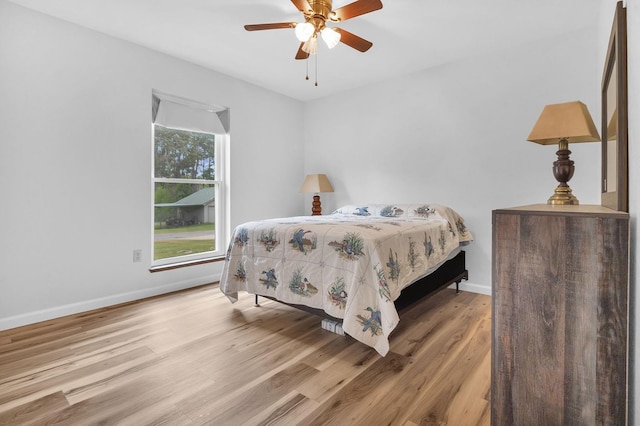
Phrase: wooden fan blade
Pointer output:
(357, 8)
(301, 53)
(302, 5)
(275, 26)
(353, 40)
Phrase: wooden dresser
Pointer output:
(560, 316)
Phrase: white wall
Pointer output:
(456, 135)
(75, 167)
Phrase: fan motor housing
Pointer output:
(321, 8)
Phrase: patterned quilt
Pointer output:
(352, 264)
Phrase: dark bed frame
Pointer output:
(452, 271)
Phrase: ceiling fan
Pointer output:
(317, 13)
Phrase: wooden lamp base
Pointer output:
(316, 208)
(563, 169)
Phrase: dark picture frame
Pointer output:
(615, 169)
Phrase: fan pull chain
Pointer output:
(316, 65)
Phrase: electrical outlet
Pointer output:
(137, 255)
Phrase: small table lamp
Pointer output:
(564, 123)
(316, 184)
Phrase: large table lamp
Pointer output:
(316, 184)
(561, 124)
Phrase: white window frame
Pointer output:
(219, 183)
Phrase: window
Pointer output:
(189, 139)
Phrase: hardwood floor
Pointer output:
(193, 358)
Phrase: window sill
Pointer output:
(178, 265)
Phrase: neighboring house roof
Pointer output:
(201, 198)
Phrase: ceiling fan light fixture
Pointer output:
(311, 46)
(331, 37)
(315, 16)
(304, 31)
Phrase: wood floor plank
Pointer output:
(349, 403)
(436, 354)
(243, 371)
(436, 400)
(338, 373)
(473, 406)
(291, 409)
(33, 412)
(258, 398)
(193, 358)
(11, 396)
(42, 364)
(149, 398)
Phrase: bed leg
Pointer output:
(457, 287)
(257, 305)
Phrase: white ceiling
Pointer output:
(407, 35)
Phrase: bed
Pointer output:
(351, 265)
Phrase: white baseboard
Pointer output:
(89, 305)
(473, 288)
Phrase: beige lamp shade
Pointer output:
(561, 124)
(569, 120)
(316, 184)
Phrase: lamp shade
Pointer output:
(311, 46)
(331, 37)
(569, 120)
(316, 184)
(304, 31)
